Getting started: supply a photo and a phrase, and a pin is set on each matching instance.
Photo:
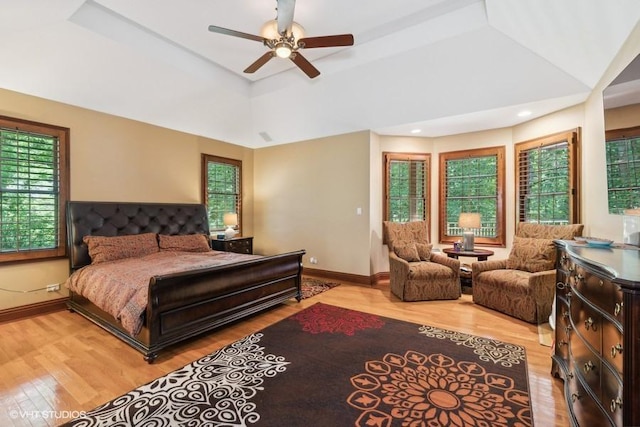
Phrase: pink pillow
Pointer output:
(103, 248)
(184, 243)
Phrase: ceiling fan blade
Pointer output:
(326, 41)
(259, 62)
(305, 65)
(285, 15)
(228, 32)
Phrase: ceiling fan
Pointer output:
(287, 41)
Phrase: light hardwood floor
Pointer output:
(61, 362)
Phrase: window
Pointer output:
(473, 181)
(623, 169)
(406, 189)
(34, 188)
(547, 179)
(221, 189)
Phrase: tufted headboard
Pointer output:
(118, 219)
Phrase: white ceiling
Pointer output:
(444, 66)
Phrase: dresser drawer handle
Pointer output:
(589, 324)
(575, 396)
(588, 367)
(561, 285)
(570, 375)
(617, 309)
(579, 277)
(616, 404)
(561, 343)
(601, 283)
(616, 349)
(565, 314)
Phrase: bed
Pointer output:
(183, 304)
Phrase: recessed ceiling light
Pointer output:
(524, 113)
(416, 130)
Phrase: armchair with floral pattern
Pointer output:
(415, 272)
(523, 286)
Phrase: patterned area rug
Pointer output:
(330, 366)
(311, 287)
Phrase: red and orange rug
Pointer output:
(330, 366)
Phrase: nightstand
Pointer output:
(241, 245)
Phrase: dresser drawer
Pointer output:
(611, 396)
(612, 345)
(586, 320)
(586, 364)
(602, 292)
(563, 329)
(585, 409)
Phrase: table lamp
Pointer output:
(468, 221)
(230, 220)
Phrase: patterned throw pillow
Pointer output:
(424, 251)
(407, 252)
(184, 243)
(103, 249)
(532, 255)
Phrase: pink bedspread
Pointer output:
(120, 287)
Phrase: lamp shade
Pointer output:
(469, 220)
(230, 219)
(270, 30)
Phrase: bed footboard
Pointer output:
(187, 304)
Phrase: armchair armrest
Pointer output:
(452, 263)
(398, 265)
(543, 285)
(481, 266)
(496, 264)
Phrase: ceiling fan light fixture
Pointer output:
(283, 50)
(270, 30)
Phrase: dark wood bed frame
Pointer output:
(181, 305)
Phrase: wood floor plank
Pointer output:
(62, 362)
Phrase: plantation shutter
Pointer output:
(32, 196)
(222, 189)
(546, 181)
(472, 186)
(406, 187)
(472, 181)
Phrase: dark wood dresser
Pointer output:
(597, 333)
(241, 245)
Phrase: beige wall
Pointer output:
(622, 117)
(114, 159)
(306, 197)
